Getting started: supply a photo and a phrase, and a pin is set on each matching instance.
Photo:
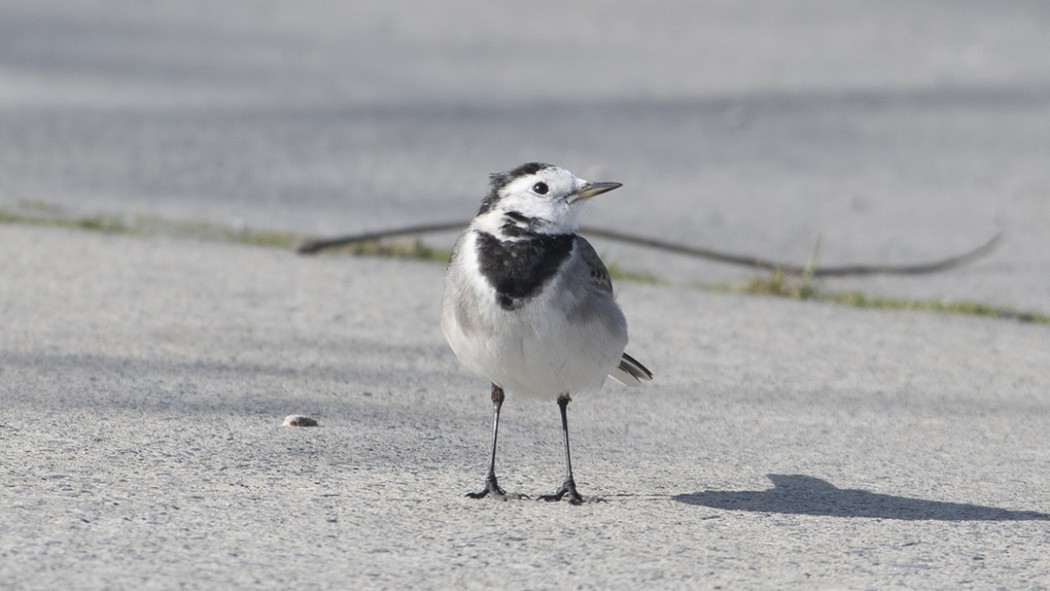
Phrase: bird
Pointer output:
(529, 306)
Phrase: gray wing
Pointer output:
(595, 266)
(630, 372)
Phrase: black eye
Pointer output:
(540, 188)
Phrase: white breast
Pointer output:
(564, 340)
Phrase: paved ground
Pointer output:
(783, 445)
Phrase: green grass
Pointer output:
(776, 284)
(803, 288)
(619, 273)
(31, 217)
(409, 248)
(34, 213)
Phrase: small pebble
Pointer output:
(299, 421)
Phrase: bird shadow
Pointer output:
(807, 495)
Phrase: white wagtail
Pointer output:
(528, 304)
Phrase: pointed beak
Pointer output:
(594, 189)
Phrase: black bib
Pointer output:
(518, 269)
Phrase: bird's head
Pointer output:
(540, 197)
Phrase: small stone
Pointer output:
(299, 421)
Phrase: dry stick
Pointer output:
(313, 246)
(842, 271)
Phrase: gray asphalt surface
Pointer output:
(784, 444)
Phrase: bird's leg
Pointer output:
(569, 486)
(491, 485)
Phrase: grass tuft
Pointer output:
(409, 248)
(619, 273)
(802, 288)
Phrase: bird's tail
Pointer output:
(630, 372)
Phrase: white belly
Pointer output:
(559, 342)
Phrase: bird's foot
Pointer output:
(493, 489)
(567, 488)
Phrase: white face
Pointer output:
(550, 194)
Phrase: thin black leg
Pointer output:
(491, 484)
(569, 486)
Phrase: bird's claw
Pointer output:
(567, 488)
(493, 489)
